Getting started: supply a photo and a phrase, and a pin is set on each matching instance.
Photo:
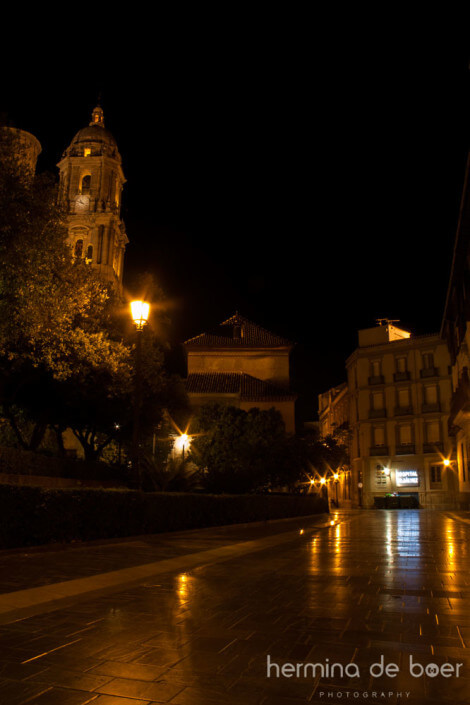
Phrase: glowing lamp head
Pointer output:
(322, 481)
(336, 476)
(140, 313)
(181, 442)
(387, 471)
(446, 462)
(312, 482)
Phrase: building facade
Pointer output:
(241, 364)
(399, 405)
(27, 148)
(456, 331)
(91, 183)
(333, 409)
(333, 414)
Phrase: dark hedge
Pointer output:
(14, 461)
(34, 515)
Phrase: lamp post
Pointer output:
(140, 313)
(336, 479)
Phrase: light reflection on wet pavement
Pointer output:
(376, 583)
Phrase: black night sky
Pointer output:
(312, 190)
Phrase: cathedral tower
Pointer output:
(91, 181)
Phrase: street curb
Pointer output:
(65, 546)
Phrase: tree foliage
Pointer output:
(239, 451)
(66, 357)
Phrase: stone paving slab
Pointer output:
(391, 584)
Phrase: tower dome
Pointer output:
(95, 137)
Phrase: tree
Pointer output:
(66, 351)
(55, 312)
(239, 451)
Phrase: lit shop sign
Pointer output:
(407, 478)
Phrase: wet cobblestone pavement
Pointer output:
(391, 584)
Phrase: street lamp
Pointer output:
(336, 479)
(140, 313)
(181, 443)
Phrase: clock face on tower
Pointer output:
(82, 203)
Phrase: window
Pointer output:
(89, 253)
(376, 368)
(428, 361)
(405, 435)
(379, 436)
(87, 152)
(378, 401)
(433, 433)
(86, 184)
(436, 474)
(79, 248)
(403, 398)
(401, 364)
(430, 394)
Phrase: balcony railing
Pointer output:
(376, 379)
(405, 449)
(427, 408)
(403, 410)
(429, 372)
(377, 413)
(401, 376)
(437, 447)
(378, 450)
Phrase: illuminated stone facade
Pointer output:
(333, 409)
(399, 393)
(91, 182)
(241, 364)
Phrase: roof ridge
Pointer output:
(256, 334)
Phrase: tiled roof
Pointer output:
(238, 331)
(248, 388)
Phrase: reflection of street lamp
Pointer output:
(140, 312)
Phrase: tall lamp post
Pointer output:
(140, 313)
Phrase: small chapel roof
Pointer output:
(238, 332)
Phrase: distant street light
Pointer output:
(336, 479)
(140, 313)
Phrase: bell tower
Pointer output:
(91, 182)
